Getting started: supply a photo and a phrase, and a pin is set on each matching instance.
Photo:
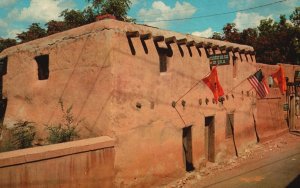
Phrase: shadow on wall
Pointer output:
(295, 182)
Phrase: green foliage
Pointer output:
(118, 8)
(274, 42)
(34, 32)
(6, 43)
(55, 27)
(65, 131)
(23, 134)
(295, 17)
(19, 137)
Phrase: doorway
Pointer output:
(187, 148)
(210, 138)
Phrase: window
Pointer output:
(163, 59)
(3, 66)
(43, 66)
(229, 126)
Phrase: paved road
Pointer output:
(278, 171)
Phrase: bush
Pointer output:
(19, 137)
(23, 134)
(65, 131)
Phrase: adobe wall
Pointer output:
(149, 147)
(85, 163)
(272, 119)
(93, 69)
(79, 76)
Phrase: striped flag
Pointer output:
(257, 81)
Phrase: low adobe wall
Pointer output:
(84, 163)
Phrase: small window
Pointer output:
(163, 59)
(3, 66)
(43, 66)
(229, 125)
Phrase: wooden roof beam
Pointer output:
(170, 40)
(146, 36)
(199, 45)
(159, 38)
(181, 41)
(191, 43)
(132, 34)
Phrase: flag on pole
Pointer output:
(279, 79)
(212, 81)
(259, 84)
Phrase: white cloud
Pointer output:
(5, 3)
(206, 33)
(12, 33)
(248, 20)
(161, 11)
(43, 10)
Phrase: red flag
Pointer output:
(259, 84)
(279, 79)
(213, 83)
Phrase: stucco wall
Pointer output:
(272, 119)
(149, 147)
(93, 69)
(85, 163)
(79, 76)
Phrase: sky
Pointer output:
(17, 15)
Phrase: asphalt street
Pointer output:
(279, 170)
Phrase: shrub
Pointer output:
(66, 130)
(19, 137)
(23, 134)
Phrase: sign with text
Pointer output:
(219, 59)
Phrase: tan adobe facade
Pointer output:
(124, 80)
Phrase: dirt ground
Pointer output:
(288, 142)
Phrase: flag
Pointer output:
(259, 84)
(279, 79)
(213, 83)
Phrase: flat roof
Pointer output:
(118, 26)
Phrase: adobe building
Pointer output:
(142, 86)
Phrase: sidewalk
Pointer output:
(277, 159)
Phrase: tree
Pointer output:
(217, 36)
(55, 27)
(231, 33)
(33, 32)
(295, 17)
(6, 43)
(118, 8)
(73, 18)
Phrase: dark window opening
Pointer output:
(163, 59)
(187, 148)
(229, 125)
(43, 66)
(234, 61)
(3, 105)
(210, 138)
(3, 66)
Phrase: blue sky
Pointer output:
(17, 15)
